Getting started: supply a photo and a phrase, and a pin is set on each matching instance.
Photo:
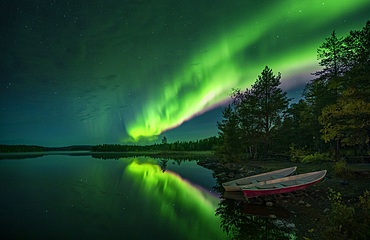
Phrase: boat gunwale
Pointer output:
(243, 188)
(228, 184)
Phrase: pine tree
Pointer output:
(230, 147)
(348, 119)
(261, 110)
(272, 104)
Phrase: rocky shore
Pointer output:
(307, 209)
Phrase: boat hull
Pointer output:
(250, 193)
(235, 185)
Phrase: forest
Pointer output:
(206, 144)
(330, 121)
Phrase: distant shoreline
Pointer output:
(108, 155)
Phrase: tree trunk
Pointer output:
(337, 155)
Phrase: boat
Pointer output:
(235, 185)
(282, 185)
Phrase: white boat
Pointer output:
(235, 185)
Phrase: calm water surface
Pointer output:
(79, 197)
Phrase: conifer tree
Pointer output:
(230, 146)
(271, 104)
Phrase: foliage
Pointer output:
(348, 119)
(339, 168)
(317, 158)
(342, 216)
(296, 154)
(333, 60)
(22, 148)
(270, 103)
(353, 221)
(293, 132)
(229, 133)
(238, 225)
(258, 114)
(206, 144)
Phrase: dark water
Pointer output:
(81, 197)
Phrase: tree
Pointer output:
(294, 131)
(164, 142)
(230, 147)
(347, 119)
(261, 110)
(335, 63)
(333, 59)
(271, 105)
(246, 110)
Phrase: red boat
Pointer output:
(282, 185)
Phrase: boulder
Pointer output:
(269, 204)
(231, 175)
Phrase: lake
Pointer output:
(81, 197)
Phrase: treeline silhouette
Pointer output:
(207, 144)
(22, 148)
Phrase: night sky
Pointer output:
(110, 71)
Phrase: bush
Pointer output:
(339, 168)
(296, 154)
(353, 221)
(317, 158)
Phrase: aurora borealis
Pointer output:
(79, 197)
(92, 72)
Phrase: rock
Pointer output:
(243, 169)
(343, 183)
(258, 199)
(220, 165)
(251, 172)
(301, 202)
(278, 196)
(269, 204)
(231, 175)
(221, 175)
(308, 205)
(290, 225)
(290, 195)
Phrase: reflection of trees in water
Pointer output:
(163, 164)
(163, 161)
(238, 225)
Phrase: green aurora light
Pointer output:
(193, 215)
(233, 61)
(121, 72)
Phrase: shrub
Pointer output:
(296, 154)
(317, 158)
(339, 168)
(353, 221)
